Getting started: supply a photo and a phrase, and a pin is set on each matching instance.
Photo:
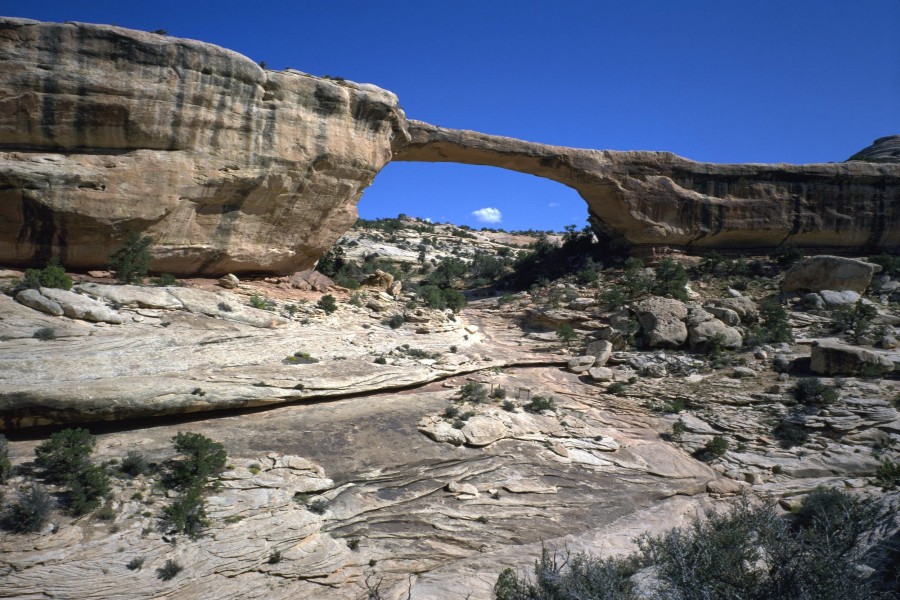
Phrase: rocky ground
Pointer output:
(363, 458)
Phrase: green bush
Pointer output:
(87, 487)
(187, 514)
(64, 454)
(472, 392)
(887, 475)
(203, 459)
(131, 262)
(540, 403)
(30, 513)
(134, 464)
(135, 563)
(5, 463)
(51, 276)
(327, 303)
(45, 334)
(857, 318)
(566, 334)
(670, 280)
(774, 327)
(789, 433)
(890, 264)
(811, 391)
(396, 321)
(716, 447)
(578, 577)
(169, 570)
(164, 279)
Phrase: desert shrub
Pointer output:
(509, 405)
(716, 447)
(396, 321)
(87, 487)
(187, 513)
(856, 318)
(455, 300)
(811, 391)
(381, 360)
(890, 264)
(670, 280)
(499, 393)
(318, 506)
(30, 513)
(774, 326)
(447, 272)
(134, 464)
(327, 303)
(751, 553)
(568, 577)
(275, 557)
(540, 403)
(5, 463)
(836, 516)
(790, 434)
(887, 475)
(164, 279)
(260, 303)
(472, 391)
(131, 262)
(65, 453)
(169, 570)
(679, 428)
(135, 563)
(787, 256)
(203, 459)
(566, 334)
(614, 297)
(45, 334)
(51, 276)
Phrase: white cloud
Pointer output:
(487, 215)
(553, 204)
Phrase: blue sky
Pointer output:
(795, 81)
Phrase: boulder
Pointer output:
(395, 289)
(601, 374)
(833, 299)
(76, 306)
(745, 307)
(726, 315)
(230, 281)
(817, 273)
(311, 280)
(581, 364)
(703, 333)
(131, 295)
(813, 301)
(601, 350)
(831, 357)
(379, 279)
(662, 320)
(34, 299)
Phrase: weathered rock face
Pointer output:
(230, 168)
(817, 273)
(654, 199)
(234, 169)
(882, 150)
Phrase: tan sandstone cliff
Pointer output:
(232, 168)
(229, 167)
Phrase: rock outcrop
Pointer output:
(882, 150)
(818, 273)
(231, 168)
(227, 166)
(658, 199)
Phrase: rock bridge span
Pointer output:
(230, 167)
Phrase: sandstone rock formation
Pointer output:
(232, 168)
(654, 199)
(817, 273)
(229, 167)
(882, 150)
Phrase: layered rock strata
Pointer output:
(227, 166)
(231, 168)
(654, 199)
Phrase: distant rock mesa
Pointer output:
(231, 168)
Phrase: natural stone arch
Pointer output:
(658, 199)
